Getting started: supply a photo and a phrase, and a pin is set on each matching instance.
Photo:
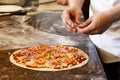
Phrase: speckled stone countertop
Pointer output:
(44, 28)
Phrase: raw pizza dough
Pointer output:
(10, 8)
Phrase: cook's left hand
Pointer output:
(96, 24)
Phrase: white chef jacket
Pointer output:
(108, 43)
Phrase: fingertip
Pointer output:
(70, 23)
(77, 21)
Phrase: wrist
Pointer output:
(113, 14)
(108, 17)
(76, 3)
(75, 7)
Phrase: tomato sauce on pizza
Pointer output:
(49, 58)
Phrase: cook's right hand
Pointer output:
(71, 18)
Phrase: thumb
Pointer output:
(77, 19)
(86, 23)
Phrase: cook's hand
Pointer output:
(96, 24)
(71, 16)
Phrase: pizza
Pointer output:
(49, 58)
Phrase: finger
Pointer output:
(66, 17)
(75, 29)
(68, 27)
(65, 22)
(86, 23)
(87, 30)
(71, 29)
(77, 19)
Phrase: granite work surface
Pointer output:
(44, 28)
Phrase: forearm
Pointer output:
(114, 13)
(73, 3)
